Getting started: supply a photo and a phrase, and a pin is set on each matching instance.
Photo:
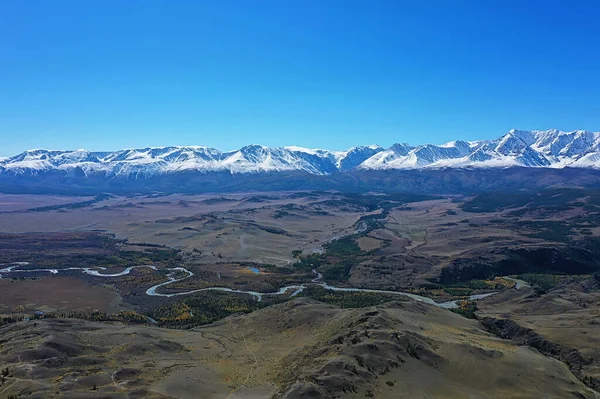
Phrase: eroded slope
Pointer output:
(301, 348)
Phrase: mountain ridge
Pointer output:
(537, 148)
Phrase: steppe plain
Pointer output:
(97, 336)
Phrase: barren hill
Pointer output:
(298, 349)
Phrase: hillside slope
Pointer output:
(298, 349)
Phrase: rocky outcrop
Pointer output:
(509, 329)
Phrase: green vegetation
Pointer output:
(577, 257)
(58, 250)
(372, 202)
(342, 254)
(468, 287)
(348, 299)
(337, 261)
(219, 200)
(457, 291)
(123, 317)
(547, 282)
(545, 200)
(337, 272)
(551, 230)
(309, 262)
(207, 307)
(10, 319)
(278, 214)
(72, 205)
(259, 198)
(494, 202)
(539, 205)
(466, 309)
(296, 253)
(342, 247)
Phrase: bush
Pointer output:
(467, 309)
(343, 247)
(338, 272)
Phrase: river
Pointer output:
(295, 289)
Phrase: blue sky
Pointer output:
(106, 75)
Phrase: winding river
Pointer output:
(295, 289)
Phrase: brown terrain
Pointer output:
(57, 293)
(95, 336)
(239, 227)
(298, 349)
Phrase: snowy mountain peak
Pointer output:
(538, 148)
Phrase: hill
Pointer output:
(301, 348)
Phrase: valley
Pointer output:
(299, 200)
(208, 276)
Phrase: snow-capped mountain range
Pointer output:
(540, 149)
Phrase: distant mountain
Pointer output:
(549, 149)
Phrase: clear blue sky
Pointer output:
(106, 75)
